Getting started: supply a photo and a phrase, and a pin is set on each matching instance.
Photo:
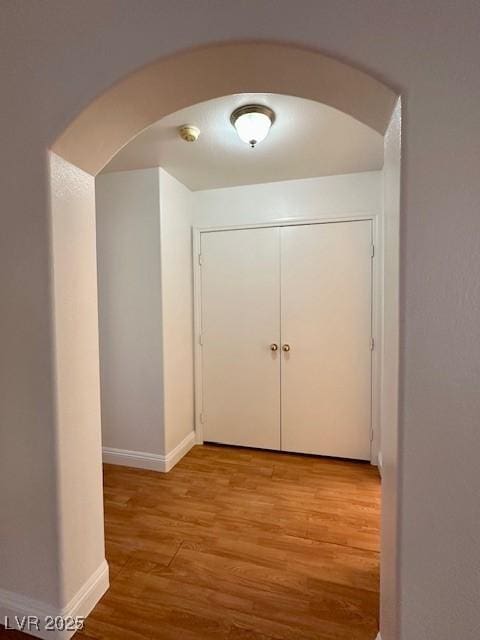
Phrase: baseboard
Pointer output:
(15, 609)
(152, 461)
(380, 470)
(180, 450)
(379, 637)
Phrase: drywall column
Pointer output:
(28, 475)
(177, 304)
(52, 554)
(145, 317)
(389, 392)
(78, 447)
(130, 315)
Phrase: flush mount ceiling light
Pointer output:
(252, 122)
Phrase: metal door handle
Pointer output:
(286, 347)
(274, 347)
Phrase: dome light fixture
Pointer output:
(252, 122)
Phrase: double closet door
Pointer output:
(286, 317)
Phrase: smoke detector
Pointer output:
(189, 132)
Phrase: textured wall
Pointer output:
(78, 442)
(389, 394)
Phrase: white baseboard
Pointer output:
(153, 461)
(379, 637)
(380, 470)
(180, 450)
(15, 609)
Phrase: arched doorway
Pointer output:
(79, 153)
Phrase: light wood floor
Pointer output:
(238, 544)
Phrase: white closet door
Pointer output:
(326, 321)
(240, 320)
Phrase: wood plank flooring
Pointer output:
(239, 544)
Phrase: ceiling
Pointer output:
(308, 139)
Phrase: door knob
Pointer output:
(286, 347)
(274, 347)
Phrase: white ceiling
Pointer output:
(308, 139)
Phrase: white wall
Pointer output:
(354, 193)
(145, 315)
(390, 363)
(177, 305)
(130, 321)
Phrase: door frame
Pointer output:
(377, 310)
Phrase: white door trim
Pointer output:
(377, 279)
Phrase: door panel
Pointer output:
(326, 320)
(240, 320)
